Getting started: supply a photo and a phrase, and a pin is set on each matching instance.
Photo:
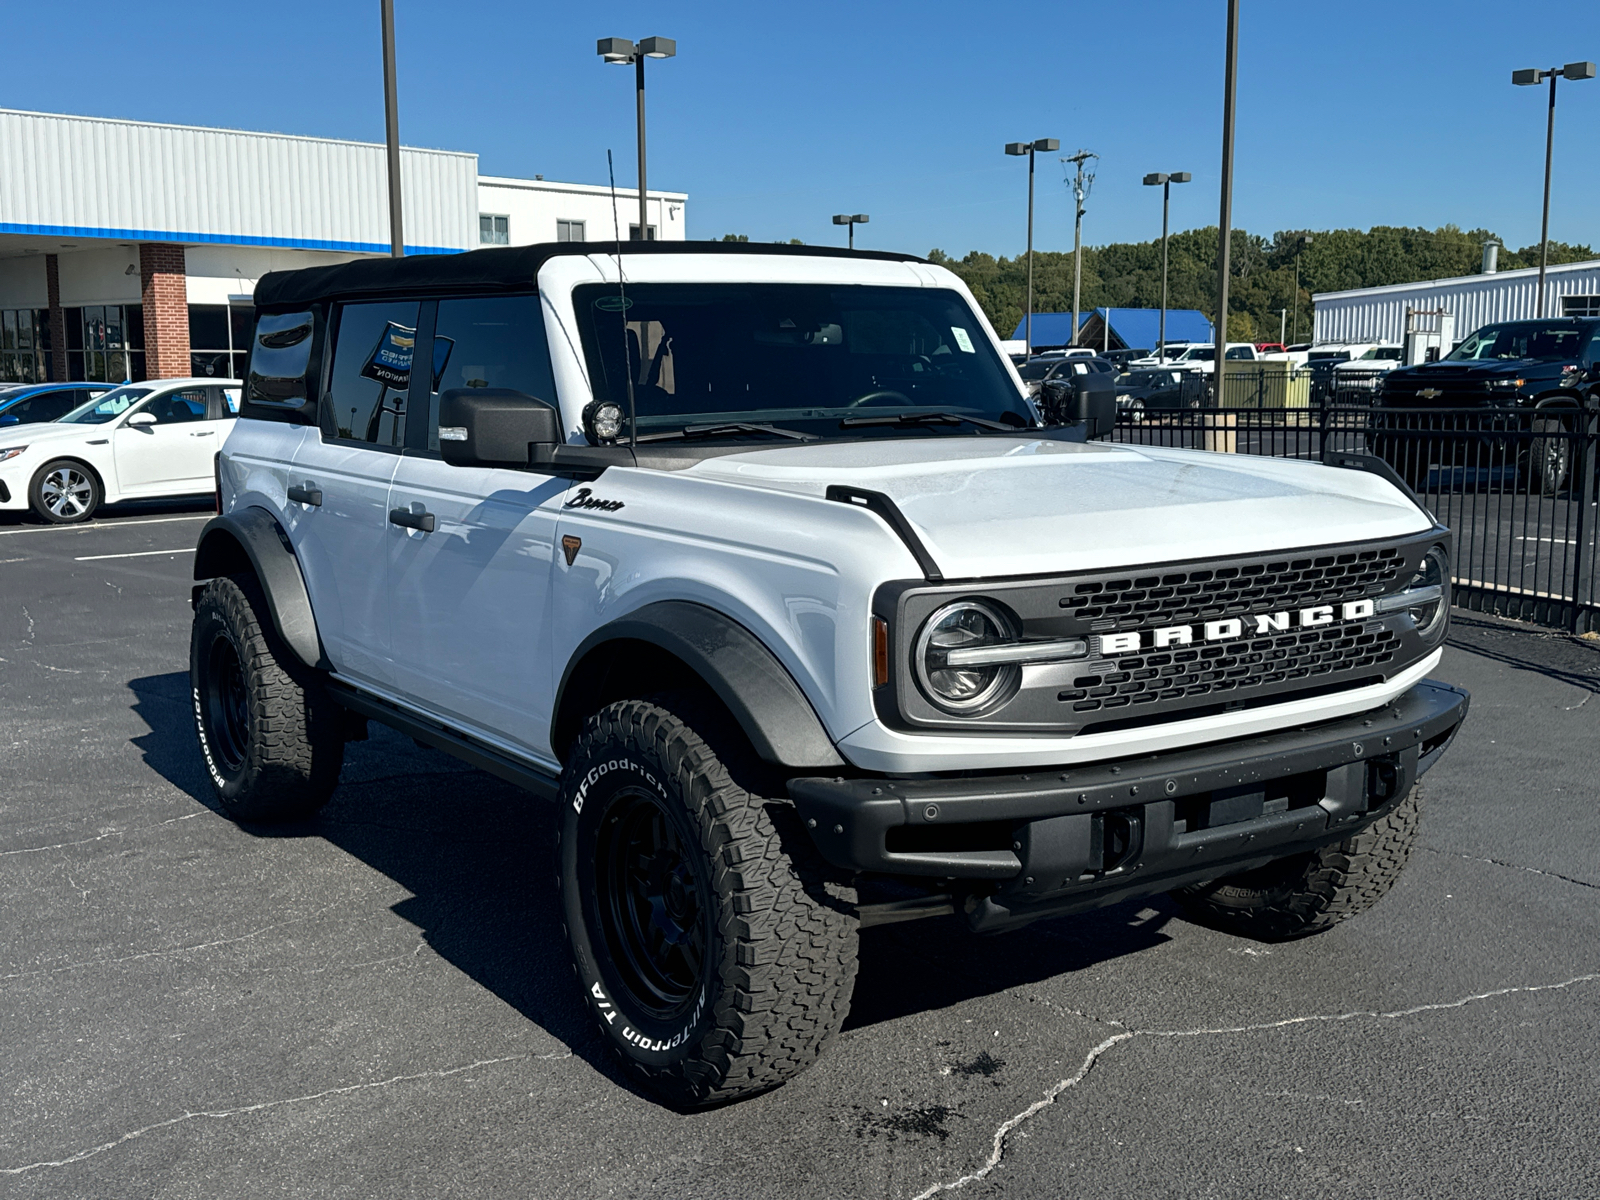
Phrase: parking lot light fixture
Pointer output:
(1164, 180)
(622, 51)
(1030, 149)
(852, 220)
(1529, 78)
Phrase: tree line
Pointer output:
(1262, 270)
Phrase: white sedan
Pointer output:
(138, 442)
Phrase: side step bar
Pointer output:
(459, 745)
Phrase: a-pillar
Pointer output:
(164, 290)
(58, 319)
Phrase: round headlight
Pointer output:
(964, 625)
(602, 421)
(1433, 572)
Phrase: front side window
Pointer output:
(1521, 341)
(372, 370)
(108, 407)
(493, 342)
(825, 360)
(177, 408)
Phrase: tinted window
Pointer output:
(109, 407)
(496, 342)
(280, 357)
(175, 408)
(372, 370)
(1524, 340)
(42, 406)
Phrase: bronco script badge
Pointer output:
(1234, 627)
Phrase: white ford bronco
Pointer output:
(760, 563)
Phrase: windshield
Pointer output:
(1523, 340)
(1037, 369)
(805, 357)
(1197, 354)
(1328, 356)
(1387, 353)
(108, 407)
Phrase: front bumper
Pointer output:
(1060, 840)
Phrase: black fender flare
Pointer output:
(757, 690)
(251, 539)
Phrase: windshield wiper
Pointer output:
(929, 418)
(726, 427)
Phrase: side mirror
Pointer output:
(494, 427)
(1090, 398)
(142, 418)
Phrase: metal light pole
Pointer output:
(1577, 70)
(1225, 215)
(1305, 240)
(391, 114)
(851, 220)
(621, 50)
(1030, 148)
(1165, 180)
(1081, 184)
(1283, 325)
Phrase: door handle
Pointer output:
(306, 495)
(407, 519)
(205, 433)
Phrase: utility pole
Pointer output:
(1081, 183)
(1225, 215)
(391, 112)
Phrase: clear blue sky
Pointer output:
(773, 117)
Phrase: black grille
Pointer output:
(1233, 666)
(1184, 597)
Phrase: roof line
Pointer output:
(212, 239)
(261, 133)
(1515, 273)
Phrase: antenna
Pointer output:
(622, 314)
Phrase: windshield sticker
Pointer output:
(962, 339)
(613, 303)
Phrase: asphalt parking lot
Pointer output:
(378, 1003)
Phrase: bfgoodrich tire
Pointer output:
(272, 740)
(713, 947)
(1308, 893)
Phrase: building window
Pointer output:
(219, 335)
(24, 338)
(633, 233)
(1580, 306)
(105, 342)
(494, 230)
(570, 231)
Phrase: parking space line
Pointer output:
(106, 525)
(135, 554)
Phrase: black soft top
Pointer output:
(500, 269)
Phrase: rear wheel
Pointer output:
(64, 492)
(1308, 893)
(272, 739)
(715, 948)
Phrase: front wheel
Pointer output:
(1308, 893)
(64, 492)
(712, 946)
(272, 739)
(1549, 455)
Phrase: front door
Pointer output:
(469, 606)
(174, 455)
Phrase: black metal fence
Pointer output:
(1517, 488)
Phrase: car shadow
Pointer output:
(476, 855)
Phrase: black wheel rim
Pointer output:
(652, 905)
(227, 705)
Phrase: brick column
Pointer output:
(58, 319)
(166, 310)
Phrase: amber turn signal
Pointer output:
(880, 652)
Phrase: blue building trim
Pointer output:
(218, 239)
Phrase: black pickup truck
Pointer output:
(1508, 398)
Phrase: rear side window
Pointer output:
(280, 358)
(372, 370)
(490, 342)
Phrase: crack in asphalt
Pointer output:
(1497, 862)
(224, 1113)
(102, 837)
(997, 1152)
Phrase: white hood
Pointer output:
(49, 431)
(992, 506)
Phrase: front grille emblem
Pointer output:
(1429, 393)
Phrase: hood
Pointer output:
(1488, 369)
(47, 431)
(1002, 506)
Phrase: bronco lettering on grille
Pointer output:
(1234, 627)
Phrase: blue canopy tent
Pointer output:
(1117, 328)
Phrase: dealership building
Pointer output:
(132, 250)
